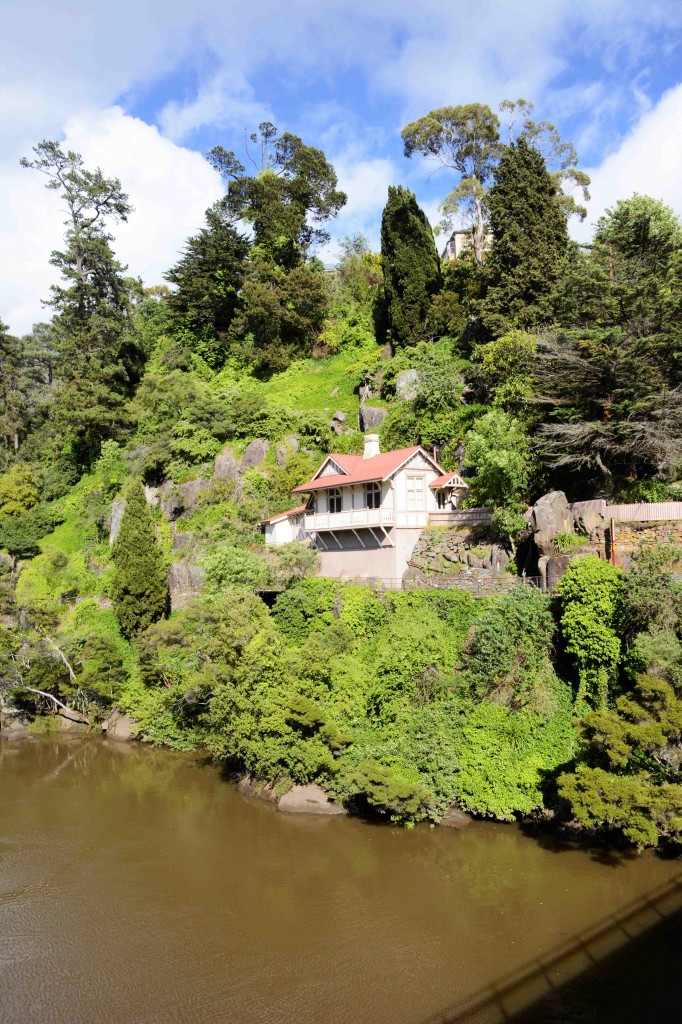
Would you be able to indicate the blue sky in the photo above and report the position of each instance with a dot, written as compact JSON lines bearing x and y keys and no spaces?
{"x":145,"y":88}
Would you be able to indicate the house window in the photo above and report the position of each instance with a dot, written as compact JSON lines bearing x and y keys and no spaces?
{"x":373,"y":495}
{"x":334,"y":499}
{"x":441,"y":498}
{"x":415,"y":493}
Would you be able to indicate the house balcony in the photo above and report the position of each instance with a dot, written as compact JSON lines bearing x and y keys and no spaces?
{"x":352,"y":519}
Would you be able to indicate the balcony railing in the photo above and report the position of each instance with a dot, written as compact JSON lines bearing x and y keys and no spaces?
{"x":352,"y":519}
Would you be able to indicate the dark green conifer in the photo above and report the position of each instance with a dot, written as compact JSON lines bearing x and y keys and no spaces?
{"x":140,"y":586}
{"x":411,"y":267}
{"x":530,"y":241}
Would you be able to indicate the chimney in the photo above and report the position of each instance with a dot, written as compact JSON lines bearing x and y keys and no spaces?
{"x":371,"y":446}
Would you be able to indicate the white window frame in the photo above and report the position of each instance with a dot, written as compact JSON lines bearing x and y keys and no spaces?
{"x":334,"y":495}
{"x":373,"y":494}
{"x":416,"y":499}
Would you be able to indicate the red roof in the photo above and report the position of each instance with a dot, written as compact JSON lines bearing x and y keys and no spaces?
{"x":283,"y":515}
{"x":360,"y":471}
{"x":449,"y":480}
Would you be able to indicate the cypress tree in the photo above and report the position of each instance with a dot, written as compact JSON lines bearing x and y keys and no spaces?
{"x":530,"y":241}
{"x":411,"y":267}
{"x":140,"y":586}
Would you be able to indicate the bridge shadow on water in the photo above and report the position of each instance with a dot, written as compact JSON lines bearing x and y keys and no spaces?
{"x":625,"y":969}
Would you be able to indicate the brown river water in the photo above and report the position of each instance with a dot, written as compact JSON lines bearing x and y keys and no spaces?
{"x":138,"y":886}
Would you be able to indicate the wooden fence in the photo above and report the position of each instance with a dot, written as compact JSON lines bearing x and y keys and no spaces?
{"x":645,"y":512}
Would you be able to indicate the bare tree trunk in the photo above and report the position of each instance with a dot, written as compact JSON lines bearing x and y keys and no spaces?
{"x":50,"y":696}
{"x":53,"y":645}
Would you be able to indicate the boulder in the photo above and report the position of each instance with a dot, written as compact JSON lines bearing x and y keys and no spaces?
{"x":249,"y":785}
{"x":370,"y":418}
{"x":499,"y":558}
{"x":286,"y":448}
{"x":550,"y":516}
{"x":589,"y":521}
{"x":406,"y":384}
{"x":185,"y":580}
{"x":119,"y":726}
{"x":151,"y":495}
{"x":14,"y":723}
{"x":118,"y":507}
{"x":226,"y":466}
{"x":171,"y":500}
{"x":339,"y":422}
{"x":310,"y":799}
{"x":191,"y":491}
{"x":181,"y":540}
{"x":454,"y":817}
{"x":255,"y":453}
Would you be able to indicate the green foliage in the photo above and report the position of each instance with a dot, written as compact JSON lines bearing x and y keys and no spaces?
{"x":591,"y":602}
{"x":631,"y":779}
{"x":567,"y":542}
{"x":18,"y":491}
{"x":497,"y":449}
{"x":508,"y":652}
{"x":21,"y":534}
{"x":411,"y":267}
{"x":208,"y":279}
{"x":97,"y":358}
{"x":281,"y":315}
{"x":305,"y":608}
{"x":287,"y":201}
{"x":530,"y":241}
{"x":506,"y":757}
{"x":139,"y":588}
{"x":504,"y":369}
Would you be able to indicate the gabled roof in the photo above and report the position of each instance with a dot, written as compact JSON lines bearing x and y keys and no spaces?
{"x":283,"y":515}
{"x":358,"y":470}
{"x":449,"y":480}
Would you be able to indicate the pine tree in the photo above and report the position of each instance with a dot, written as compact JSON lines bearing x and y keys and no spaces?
{"x":209,"y":279}
{"x":530,"y":241}
{"x":140,"y":586}
{"x":99,"y":361}
{"x":411,"y":267}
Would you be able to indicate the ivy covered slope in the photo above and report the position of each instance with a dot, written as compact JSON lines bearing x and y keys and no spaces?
{"x":148,"y":430}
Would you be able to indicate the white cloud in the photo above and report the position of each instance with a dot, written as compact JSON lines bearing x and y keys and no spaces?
{"x":170,"y":188}
{"x":226,"y":100}
{"x":365,"y":181}
{"x":648,"y":161}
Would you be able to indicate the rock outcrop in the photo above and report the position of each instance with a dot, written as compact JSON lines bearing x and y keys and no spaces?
{"x":550,"y":516}
{"x":255,"y":453}
{"x":370,"y":418}
{"x":286,"y":448}
{"x":119,"y":726}
{"x":406,"y":384}
{"x":339,"y":422}
{"x":310,"y":799}
{"x":451,"y":550}
{"x":455,"y":817}
{"x":185,"y":580}
{"x":118,"y":507}
{"x":226,"y":466}
{"x":249,"y":785}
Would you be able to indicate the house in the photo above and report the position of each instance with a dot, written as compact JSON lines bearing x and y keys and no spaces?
{"x":364,"y":513}
{"x":460,"y":242}
{"x":285,"y":527}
